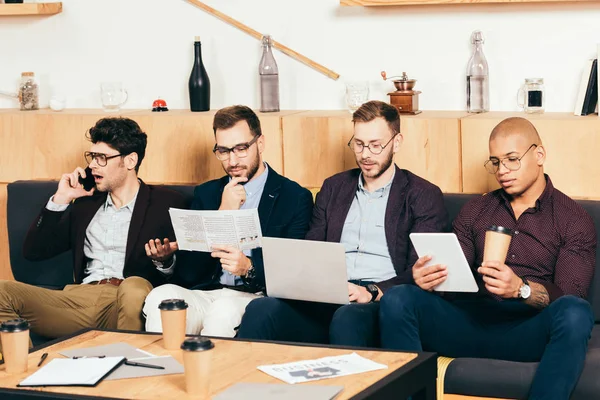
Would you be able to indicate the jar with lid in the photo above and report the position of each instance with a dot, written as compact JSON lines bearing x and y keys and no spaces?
{"x":531,"y":96}
{"x":28,"y":92}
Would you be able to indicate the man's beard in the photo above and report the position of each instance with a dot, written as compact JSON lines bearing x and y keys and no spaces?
{"x":384,"y":166}
{"x":252,"y":168}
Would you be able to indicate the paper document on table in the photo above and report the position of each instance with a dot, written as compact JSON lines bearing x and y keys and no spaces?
{"x":119,"y":349}
{"x":321,"y":368}
{"x":73,"y":372}
{"x":199,"y":230}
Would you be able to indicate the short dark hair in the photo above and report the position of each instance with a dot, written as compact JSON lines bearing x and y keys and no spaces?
{"x":122,"y":134}
{"x":378,"y":109}
{"x":227,"y":117}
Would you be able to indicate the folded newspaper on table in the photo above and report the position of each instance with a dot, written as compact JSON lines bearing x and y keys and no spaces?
{"x":199,"y":230}
{"x":321,"y":368}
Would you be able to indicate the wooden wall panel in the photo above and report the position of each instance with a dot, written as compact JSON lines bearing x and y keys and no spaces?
{"x":572,"y":143}
{"x":5,"y":271}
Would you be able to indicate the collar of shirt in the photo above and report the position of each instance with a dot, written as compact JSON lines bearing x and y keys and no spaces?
{"x":109,"y":202}
{"x":379,"y":192}
{"x":544,"y":198}
{"x":258,"y":184}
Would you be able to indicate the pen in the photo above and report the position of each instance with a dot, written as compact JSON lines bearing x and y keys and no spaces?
{"x":44,"y":356}
{"x":136,"y":364}
{"x":76,"y":358}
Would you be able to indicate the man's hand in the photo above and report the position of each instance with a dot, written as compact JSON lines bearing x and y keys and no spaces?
{"x":234,"y":194}
{"x":232,"y":259}
{"x":69,"y":187}
{"x":358,"y":293}
{"x":500,"y":279}
{"x":428,"y":277}
{"x":160,"y":251}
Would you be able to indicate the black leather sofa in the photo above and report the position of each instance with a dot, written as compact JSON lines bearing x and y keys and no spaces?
{"x":466,"y":376}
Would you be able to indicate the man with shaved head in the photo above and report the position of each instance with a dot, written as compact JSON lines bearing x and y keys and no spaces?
{"x":530,"y":307}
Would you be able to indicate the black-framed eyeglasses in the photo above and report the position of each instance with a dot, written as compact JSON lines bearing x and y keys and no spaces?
{"x":240,"y":150}
{"x":511,"y":163}
{"x":101,"y":158}
{"x":374,"y":148}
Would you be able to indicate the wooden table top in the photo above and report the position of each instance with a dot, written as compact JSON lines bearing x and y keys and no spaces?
{"x":233,"y":361}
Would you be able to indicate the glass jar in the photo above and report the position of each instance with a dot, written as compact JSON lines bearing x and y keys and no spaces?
{"x":531,"y":96}
{"x":28,"y":92}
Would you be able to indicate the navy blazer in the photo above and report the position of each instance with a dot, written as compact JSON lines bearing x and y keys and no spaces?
{"x":414,"y":205}
{"x":284,"y":211}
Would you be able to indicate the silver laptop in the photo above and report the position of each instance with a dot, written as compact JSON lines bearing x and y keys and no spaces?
{"x":305,"y":270}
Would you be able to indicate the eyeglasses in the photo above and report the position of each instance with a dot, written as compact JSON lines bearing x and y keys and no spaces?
{"x":511,"y":163}
{"x":101,"y":158}
{"x":374,"y":148}
{"x":240,"y":150}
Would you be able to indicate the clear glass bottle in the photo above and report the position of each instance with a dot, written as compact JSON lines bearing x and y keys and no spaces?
{"x":269,"y":78}
{"x":28,"y":92}
{"x":478,"y":96}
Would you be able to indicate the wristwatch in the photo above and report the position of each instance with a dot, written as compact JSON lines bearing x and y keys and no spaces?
{"x":374,"y":290}
{"x":524,"y":290}
{"x":251,"y":273}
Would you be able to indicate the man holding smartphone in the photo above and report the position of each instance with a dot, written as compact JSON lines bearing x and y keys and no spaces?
{"x":107,"y":228}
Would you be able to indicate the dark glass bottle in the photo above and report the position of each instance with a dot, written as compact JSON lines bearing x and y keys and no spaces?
{"x":199,"y":84}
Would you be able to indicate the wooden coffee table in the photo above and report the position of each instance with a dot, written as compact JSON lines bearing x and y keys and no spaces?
{"x":233,"y":361}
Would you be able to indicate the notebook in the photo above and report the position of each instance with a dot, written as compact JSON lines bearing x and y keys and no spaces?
{"x":73,"y":372}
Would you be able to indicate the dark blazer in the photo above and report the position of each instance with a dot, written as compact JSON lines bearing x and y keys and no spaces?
{"x":284,"y":211}
{"x":414,"y":205}
{"x":53,"y":232}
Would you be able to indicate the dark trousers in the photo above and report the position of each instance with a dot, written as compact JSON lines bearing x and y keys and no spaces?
{"x":414,"y":320}
{"x":269,"y":318}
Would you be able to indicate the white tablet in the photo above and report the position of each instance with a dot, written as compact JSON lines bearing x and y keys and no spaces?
{"x":445,"y":249}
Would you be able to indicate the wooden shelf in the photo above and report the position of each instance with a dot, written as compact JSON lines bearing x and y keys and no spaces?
{"x":30,"y":9}
{"x":380,"y":3}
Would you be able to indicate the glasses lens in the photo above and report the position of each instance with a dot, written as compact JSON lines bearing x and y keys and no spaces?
{"x":356,"y":147}
{"x":491,"y":166}
{"x":376,"y":148}
{"x":222,"y":154}
{"x":512,"y":164}
{"x":88,"y":157}
{"x":240,"y":151}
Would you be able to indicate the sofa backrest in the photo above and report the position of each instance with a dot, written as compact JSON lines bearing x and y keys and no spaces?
{"x":26,"y":198}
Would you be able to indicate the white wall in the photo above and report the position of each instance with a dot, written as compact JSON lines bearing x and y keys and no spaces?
{"x":148,"y":44}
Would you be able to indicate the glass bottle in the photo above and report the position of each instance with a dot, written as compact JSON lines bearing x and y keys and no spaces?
{"x":478,"y":96}
{"x":269,"y":78}
{"x":28,"y":92}
{"x":199,"y":83}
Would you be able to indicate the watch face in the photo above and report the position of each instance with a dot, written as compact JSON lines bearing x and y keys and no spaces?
{"x":525,"y":291}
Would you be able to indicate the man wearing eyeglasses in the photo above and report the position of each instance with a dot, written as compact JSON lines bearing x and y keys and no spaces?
{"x":223,"y":282}
{"x":371,"y":210}
{"x":106,"y":227}
{"x":530,"y":307}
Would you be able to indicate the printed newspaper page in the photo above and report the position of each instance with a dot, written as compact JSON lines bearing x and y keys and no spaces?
{"x":199,"y":230}
{"x":321,"y":368}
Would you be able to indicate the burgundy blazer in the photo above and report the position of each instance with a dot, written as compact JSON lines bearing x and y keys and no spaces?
{"x":53,"y":232}
{"x":414,"y":205}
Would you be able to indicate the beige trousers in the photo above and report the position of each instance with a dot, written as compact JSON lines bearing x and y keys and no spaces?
{"x":56,"y":313}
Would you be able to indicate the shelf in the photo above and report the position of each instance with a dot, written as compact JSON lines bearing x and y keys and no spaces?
{"x":30,"y":9}
{"x":380,"y":3}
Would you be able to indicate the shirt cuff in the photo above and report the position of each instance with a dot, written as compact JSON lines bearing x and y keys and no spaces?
{"x":165,"y":269}
{"x":52,"y":206}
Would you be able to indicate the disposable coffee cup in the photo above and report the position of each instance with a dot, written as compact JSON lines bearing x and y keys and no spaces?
{"x":197,"y":359}
{"x":497,"y":241}
{"x":15,"y":345}
{"x":173,"y":313}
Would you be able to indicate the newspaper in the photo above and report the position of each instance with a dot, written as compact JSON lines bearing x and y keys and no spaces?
{"x":321,"y":368}
{"x":200,"y":230}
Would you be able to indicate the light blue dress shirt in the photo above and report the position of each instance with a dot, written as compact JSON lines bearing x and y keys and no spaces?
{"x":363,"y":236}
{"x":254,"y":190}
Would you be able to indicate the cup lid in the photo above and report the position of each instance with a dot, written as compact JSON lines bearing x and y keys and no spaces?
{"x":197,"y":344}
{"x":172,"y":305}
{"x":14,"y":325}
{"x":500,"y":229}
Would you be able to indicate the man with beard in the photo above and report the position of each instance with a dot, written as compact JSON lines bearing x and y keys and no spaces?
{"x":371,"y":210}
{"x":225,"y":281}
{"x":106,"y":228}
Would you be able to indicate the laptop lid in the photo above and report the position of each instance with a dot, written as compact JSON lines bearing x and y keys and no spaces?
{"x":305,"y":270}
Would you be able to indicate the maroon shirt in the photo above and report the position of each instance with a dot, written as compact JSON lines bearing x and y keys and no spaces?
{"x":554,"y":242}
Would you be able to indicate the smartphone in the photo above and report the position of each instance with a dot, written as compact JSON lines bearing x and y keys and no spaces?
{"x":88,"y":182}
